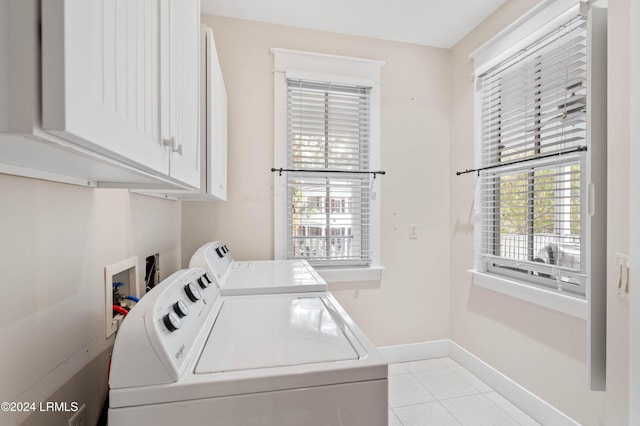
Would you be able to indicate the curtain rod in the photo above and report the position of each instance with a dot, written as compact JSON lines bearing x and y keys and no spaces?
{"x":280,"y":170}
{"x":555,"y":154}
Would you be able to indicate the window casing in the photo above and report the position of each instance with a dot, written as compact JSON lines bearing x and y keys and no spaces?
{"x":343,"y":251}
{"x":540,"y":194}
{"x":533,"y":131}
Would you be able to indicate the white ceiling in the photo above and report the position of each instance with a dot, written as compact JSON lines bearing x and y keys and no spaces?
{"x":439,"y":23}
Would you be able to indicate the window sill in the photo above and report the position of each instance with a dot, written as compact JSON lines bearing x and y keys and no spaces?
{"x":332,"y":275}
{"x":566,"y":304}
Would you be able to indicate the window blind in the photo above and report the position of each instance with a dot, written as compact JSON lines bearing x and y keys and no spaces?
{"x":328,"y":214}
{"x":532,"y":213}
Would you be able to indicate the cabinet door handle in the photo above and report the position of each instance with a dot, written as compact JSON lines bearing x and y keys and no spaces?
{"x":175,"y":147}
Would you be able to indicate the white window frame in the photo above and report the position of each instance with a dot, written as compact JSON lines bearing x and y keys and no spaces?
{"x":293,"y":64}
{"x":522,"y":33}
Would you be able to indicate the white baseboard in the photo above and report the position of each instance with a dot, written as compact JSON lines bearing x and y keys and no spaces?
{"x":528,"y":402}
{"x":415,"y":351}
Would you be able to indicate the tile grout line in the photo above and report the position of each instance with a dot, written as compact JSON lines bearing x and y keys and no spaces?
{"x":450,"y":413}
{"x":438,"y":400}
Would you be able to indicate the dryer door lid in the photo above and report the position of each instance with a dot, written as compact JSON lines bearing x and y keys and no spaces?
{"x":272,"y":331}
{"x":272,"y":276}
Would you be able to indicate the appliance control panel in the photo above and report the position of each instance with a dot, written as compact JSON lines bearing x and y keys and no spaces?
{"x":160,"y":332}
{"x":215,"y":257}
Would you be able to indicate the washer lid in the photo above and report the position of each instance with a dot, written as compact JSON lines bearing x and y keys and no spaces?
{"x":272,"y":276}
{"x":276,"y":330}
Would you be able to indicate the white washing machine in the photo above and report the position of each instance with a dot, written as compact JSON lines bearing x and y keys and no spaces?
{"x":255,"y":277}
{"x":190,"y":356}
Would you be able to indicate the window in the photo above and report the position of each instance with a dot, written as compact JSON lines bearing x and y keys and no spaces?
{"x":327,"y":131}
{"x":328,"y":212}
{"x":541,"y":151}
{"x":533,"y":107}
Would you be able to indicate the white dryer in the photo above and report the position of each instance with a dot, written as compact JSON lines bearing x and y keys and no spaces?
{"x":255,"y":277}
{"x":187,"y":355}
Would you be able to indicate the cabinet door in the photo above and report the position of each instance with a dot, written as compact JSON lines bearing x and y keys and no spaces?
{"x":100,"y":78}
{"x":180,"y":34}
{"x":217,"y":123}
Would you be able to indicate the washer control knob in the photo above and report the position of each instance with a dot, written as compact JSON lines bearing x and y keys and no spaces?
{"x":192,"y":292}
{"x":181,"y":308}
{"x":172,"y":321}
{"x":208,"y":277}
{"x":204,"y":283}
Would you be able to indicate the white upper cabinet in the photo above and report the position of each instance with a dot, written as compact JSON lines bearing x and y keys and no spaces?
{"x":212,"y":96}
{"x":117,"y":102}
{"x":180,"y":36}
{"x":100,"y":75}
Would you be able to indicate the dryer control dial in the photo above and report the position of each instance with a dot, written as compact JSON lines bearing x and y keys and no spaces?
{"x":172,"y":321}
{"x":204,"y":283}
{"x":192,"y":292}
{"x":181,"y":308}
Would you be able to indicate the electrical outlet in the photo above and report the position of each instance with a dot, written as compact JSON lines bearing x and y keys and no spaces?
{"x":125,"y":274}
{"x":79,"y":418}
{"x":622,"y":264}
{"x":622,"y":260}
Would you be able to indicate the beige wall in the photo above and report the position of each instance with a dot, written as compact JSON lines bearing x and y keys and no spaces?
{"x":542,"y":350}
{"x":410,"y":304}
{"x":56,"y":241}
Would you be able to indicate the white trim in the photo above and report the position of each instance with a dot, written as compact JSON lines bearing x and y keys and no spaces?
{"x":333,"y":78}
{"x":522,"y":398}
{"x":161,"y":194}
{"x":329,"y":65}
{"x":522,"y":32}
{"x":415,"y":351}
{"x":45,"y":175}
{"x":566,"y":304}
{"x":334,"y":275}
{"x":279,"y":160}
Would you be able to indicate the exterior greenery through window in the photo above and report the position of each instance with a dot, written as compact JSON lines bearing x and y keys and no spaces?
{"x":532,"y":212}
{"x":328,"y":212}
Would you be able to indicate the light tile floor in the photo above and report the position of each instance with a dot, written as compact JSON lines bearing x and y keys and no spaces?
{"x":440,"y":392}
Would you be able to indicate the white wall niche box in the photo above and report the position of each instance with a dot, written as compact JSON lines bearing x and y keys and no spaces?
{"x":105,"y":96}
{"x":213,"y":129}
{"x":120,"y":278}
